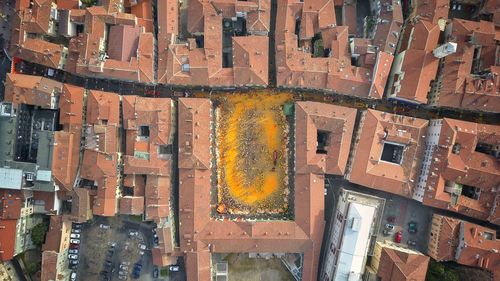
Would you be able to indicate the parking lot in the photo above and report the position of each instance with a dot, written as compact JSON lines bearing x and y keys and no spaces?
{"x":400,"y":212}
{"x":115,"y":249}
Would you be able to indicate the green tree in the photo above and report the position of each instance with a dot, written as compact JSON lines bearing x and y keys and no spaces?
{"x":89,"y":3}
{"x":38,"y":233}
{"x":440,"y":272}
{"x":32,"y":268}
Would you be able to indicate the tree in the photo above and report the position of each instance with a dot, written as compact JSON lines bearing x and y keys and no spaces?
{"x":440,"y":272}
{"x":38,"y":233}
{"x":89,"y":3}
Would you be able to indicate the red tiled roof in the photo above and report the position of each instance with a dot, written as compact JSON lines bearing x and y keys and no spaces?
{"x":338,"y":122}
{"x":32,"y":90}
{"x":186,"y":64}
{"x":465,"y":167}
{"x":419,"y":65}
{"x":57,"y":238}
{"x":460,"y":87}
{"x":402,"y":266}
{"x":132,"y":205}
{"x":296,"y":66}
{"x":466,"y":243}
{"x":8,"y":229}
{"x":11,"y":202}
{"x":198,"y":230}
{"x":49,"y":266}
{"x":376,"y":129}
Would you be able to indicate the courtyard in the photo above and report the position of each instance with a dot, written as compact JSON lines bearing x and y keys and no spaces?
{"x":252,"y":158}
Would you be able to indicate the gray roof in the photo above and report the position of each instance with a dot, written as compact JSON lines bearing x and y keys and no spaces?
{"x":11,"y":178}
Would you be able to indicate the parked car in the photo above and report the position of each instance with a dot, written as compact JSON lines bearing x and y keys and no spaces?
{"x":387,"y":232}
{"x":72,"y":257}
{"x":73,"y":251}
{"x":411,"y":243}
{"x":133,"y":233}
{"x":76,"y":230}
{"x":391,"y":219}
{"x":155,"y":272}
{"x":122,"y":277}
{"x":398,"y":237}
{"x":74,"y":235}
{"x":77,"y":226}
{"x":105,"y":226}
{"x":389,"y":226}
{"x":174,"y":268}
{"x":73,"y":276}
{"x":123,"y":267}
{"x":412,"y":227}
{"x":73,"y":262}
{"x":74,"y":241}
{"x":142,"y":246}
{"x":137,"y":271}
{"x":74,"y":246}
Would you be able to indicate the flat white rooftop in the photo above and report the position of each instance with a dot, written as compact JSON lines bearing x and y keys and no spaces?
{"x":355,"y":242}
{"x":11,"y":178}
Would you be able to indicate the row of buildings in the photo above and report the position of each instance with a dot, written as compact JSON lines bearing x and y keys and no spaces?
{"x":72,"y":154}
{"x":447,"y":62}
{"x":429,"y":59}
{"x":104,"y":154}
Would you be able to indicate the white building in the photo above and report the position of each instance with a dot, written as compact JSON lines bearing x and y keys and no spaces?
{"x":354,"y":224}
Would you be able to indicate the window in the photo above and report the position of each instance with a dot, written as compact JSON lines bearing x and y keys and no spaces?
{"x":392,"y":152}
{"x":323,"y":139}
{"x":165,"y":149}
{"x":144,"y":131}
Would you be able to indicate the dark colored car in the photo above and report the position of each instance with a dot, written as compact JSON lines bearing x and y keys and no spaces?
{"x":137,"y":270}
{"x":412,"y":227}
{"x":155,"y":272}
{"x":77,"y":226}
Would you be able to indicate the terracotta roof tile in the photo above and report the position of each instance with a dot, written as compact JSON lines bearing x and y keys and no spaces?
{"x":296,"y":66}
{"x":465,"y":166}
{"x":81,"y":210}
{"x":337,"y":122}
{"x":461,"y":88}
{"x":402,"y":265}
{"x":32,"y":90}
{"x":378,"y":130}
{"x":132,"y":205}
{"x":466,"y":243}
{"x":200,"y":234}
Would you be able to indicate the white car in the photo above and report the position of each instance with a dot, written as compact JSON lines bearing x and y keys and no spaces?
{"x":73,"y":276}
{"x":72,"y":257}
{"x":133,"y":233}
{"x":73,"y":251}
{"x":76,"y":230}
{"x":105,"y":226}
{"x":123,"y":267}
{"x":74,"y":235}
{"x":74,"y":241}
{"x":142,"y":246}
{"x":174,"y":268}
